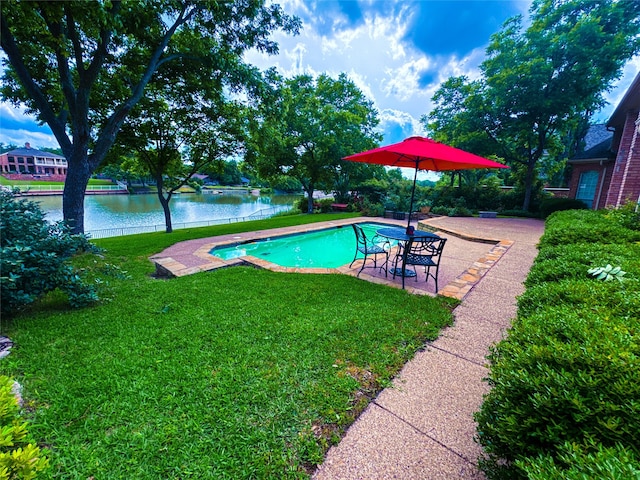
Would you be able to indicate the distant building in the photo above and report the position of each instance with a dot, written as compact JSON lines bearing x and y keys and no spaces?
{"x":607,"y":173}
{"x":32,"y":161}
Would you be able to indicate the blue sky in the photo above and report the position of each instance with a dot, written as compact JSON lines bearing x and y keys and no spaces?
{"x":397,"y":52}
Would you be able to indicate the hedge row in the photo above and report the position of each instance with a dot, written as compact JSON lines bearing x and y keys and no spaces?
{"x":565,"y":397}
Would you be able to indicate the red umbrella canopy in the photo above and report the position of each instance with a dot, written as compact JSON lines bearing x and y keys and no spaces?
{"x":423,"y":154}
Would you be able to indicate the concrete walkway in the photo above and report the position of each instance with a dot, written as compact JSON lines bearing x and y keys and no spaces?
{"x":422,"y":427}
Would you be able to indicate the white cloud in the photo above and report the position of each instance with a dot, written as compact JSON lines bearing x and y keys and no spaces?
{"x":21,"y":136}
{"x":614,"y":96}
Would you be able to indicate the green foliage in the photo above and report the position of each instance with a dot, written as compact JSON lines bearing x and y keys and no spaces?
{"x":582,"y":462}
{"x":551,"y":204}
{"x":586,"y":226}
{"x":34,"y":254}
{"x":627,"y":215}
{"x":452,"y":211}
{"x":19,"y":458}
{"x":518,"y":213}
{"x":370,"y":209}
{"x":306,"y":129}
{"x":607,"y":273}
{"x":538,"y":85}
{"x":324,"y":205}
{"x":566,"y":380}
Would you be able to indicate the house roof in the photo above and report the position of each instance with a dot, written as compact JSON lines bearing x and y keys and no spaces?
{"x":600,"y":151}
{"x":597,"y":145}
{"x":595,"y":135}
{"x":33,"y":152}
{"x":630,"y":101}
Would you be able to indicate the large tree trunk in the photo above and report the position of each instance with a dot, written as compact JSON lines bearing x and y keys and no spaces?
{"x":310,"y":199}
{"x":164,"y":201}
{"x":528,"y":185}
{"x":75,"y":185}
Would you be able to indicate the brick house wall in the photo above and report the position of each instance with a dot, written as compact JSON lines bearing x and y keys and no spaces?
{"x":616,"y":161}
{"x":625,"y":181}
{"x":604,"y":169}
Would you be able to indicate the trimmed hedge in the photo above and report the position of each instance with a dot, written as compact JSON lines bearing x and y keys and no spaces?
{"x":553,"y":204}
{"x":566,"y":381}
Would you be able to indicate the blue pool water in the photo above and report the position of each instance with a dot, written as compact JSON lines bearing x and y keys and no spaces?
{"x":329,"y":248}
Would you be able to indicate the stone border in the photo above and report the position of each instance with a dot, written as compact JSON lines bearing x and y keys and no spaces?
{"x":463,"y":283}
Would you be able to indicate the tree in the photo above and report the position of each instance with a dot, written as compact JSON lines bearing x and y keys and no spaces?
{"x":536,"y":84}
{"x":176,"y":135}
{"x":308,"y":126}
{"x":93,"y":62}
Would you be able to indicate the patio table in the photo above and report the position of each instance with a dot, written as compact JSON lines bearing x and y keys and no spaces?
{"x":401,"y":235}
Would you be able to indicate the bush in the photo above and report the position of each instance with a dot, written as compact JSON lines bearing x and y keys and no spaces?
{"x":579,"y":462}
{"x":586,"y":226}
{"x":628,"y":215}
{"x":369,"y":209}
{"x":452,"y":211}
{"x":519,"y":213}
{"x":553,"y":204}
{"x":566,"y":381}
{"x":19,"y":458}
{"x":324,"y":205}
{"x":33,"y":256}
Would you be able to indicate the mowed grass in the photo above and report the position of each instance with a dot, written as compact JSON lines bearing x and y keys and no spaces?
{"x":17,"y":183}
{"x":236,"y":373}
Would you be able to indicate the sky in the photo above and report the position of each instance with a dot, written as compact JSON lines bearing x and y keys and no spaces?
{"x":397,"y":52}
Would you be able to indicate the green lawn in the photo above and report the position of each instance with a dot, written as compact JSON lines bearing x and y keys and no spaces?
{"x":237,"y":373}
{"x":17,"y":183}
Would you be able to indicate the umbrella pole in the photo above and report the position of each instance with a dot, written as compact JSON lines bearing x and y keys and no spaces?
{"x":413,"y":192}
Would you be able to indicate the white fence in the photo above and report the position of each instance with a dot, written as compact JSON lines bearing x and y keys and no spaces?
{"x":120,"y":231}
{"x":60,"y":188}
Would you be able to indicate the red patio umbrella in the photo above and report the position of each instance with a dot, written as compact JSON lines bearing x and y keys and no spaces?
{"x":423,"y":153}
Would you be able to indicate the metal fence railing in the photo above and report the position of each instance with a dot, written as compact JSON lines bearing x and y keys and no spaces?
{"x":120,"y":231}
{"x":60,"y":188}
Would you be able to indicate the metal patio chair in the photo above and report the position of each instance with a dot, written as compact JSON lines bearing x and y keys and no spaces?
{"x":370,"y":248}
{"x":420,"y":252}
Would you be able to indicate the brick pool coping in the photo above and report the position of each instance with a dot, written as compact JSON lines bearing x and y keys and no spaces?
{"x":458,"y":288}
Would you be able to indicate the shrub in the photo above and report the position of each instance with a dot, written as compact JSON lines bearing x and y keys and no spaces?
{"x":553,"y":204}
{"x":19,"y":458}
{"x":579,"y":462}
{"x":369,"y":209}
{"x":628,"y":215}
{"x":325,"y":204}
{"x":566,"y":380}
{"x":33,"y":256}
{"x":585,"y":226}
{"x":573,"y":260}
{"x":564,"y":374}
{"x":452,"y":211}
{"x":519,"y":213}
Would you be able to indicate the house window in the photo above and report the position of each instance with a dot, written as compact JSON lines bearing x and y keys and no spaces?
{"x":587,"y":187}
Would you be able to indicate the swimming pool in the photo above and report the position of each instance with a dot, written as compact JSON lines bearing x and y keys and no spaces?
{"x":328,"y":248}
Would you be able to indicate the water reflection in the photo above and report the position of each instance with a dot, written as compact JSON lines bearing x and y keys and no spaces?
{"x":113,"y":211}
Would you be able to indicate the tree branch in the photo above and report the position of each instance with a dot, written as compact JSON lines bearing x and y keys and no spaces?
{"x":108,"y":135}
{"x":8,"y":44}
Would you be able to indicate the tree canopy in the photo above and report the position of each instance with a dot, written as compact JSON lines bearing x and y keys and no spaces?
{"x":539,"y":83}
{"x":308,"y":127}
{"x":92,"y":63}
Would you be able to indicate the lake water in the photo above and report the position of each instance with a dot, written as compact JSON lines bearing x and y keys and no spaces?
{"x":118,"y":211}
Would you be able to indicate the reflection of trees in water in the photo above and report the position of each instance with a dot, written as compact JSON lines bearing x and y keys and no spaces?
{"x":110,"y":211}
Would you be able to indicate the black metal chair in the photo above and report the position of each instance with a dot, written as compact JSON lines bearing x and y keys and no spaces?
{"x":370,"y":248}
{"x":420,"y":252}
